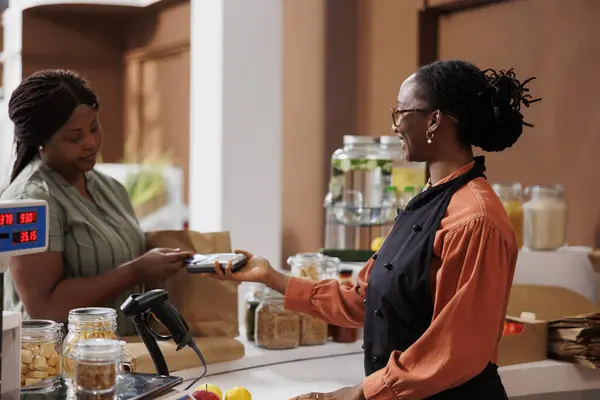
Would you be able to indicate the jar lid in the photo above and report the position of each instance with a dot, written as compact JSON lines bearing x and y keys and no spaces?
{"x":95,"y":349}
{"x":272,"y":294}
{"x":353,"y":139}
{"x":40,"y":326}
{"x":306,"y":258}
{"x":389,"y":139}
{"x":93,"y":311}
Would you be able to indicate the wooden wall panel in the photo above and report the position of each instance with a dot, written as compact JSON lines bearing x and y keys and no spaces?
{"x":557,"y":42}
{"x":81,"y":43}
{"x":157,"y":84}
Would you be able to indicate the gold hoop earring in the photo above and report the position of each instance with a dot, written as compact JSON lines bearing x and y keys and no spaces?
{"x":429,"y":135}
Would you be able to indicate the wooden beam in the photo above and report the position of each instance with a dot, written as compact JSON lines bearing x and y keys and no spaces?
{"x":457,"y":6}
{"x":428,"y":39}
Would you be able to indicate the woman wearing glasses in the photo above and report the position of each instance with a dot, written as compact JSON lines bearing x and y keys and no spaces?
{"x":433,"y":299}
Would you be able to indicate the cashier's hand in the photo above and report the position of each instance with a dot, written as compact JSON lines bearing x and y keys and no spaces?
{"x":257,"y":269}
{"x":159,"y":264}
{"x":347,"y":393}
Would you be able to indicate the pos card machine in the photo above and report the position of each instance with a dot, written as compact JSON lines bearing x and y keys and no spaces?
{"x":23,"y":230}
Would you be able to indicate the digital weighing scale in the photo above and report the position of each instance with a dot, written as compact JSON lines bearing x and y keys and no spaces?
{"x":24,"y":230}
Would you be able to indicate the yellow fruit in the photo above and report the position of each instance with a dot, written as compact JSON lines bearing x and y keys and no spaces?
{"x":238,"y":393}
{"x":209,"y":387}
{"x":376,"y":243}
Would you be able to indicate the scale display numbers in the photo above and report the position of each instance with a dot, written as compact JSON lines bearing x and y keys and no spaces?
{"x":25,"y":236}
{"x":6,"y":219}
{"x":28,"y":217}
{"x":23,"y":218}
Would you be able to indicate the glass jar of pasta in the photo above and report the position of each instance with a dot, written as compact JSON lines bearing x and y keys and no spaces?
{"x":276,"y":327}
{"x":86,"y":323}
{"x":315,"y":267}
{"x":40,"y":354}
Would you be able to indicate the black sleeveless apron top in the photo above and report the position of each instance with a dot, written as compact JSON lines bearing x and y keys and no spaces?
{"x":399,"y":303}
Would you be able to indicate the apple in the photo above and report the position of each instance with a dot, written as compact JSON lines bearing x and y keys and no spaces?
{"x":204,"y":395}
{"x":238,"y":393}
{"x":209,"y":387}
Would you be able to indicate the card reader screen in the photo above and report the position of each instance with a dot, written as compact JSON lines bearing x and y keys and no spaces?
{"x":25,"y":236}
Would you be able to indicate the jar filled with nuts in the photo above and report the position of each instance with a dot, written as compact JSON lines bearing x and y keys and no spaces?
{"x":40,"y":354}
{"x":97,"y":365}
{"x":276,"y":327}
{"x":86,"y":323}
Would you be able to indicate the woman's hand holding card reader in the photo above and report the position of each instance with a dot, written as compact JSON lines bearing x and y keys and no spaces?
{"x":205,"y":263}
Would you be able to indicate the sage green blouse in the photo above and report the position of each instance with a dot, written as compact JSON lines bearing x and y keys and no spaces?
{"x":94,"y":237}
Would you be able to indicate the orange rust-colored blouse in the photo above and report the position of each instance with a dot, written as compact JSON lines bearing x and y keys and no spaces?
{"x":475,"y":254}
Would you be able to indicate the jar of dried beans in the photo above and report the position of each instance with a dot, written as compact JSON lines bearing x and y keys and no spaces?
{"x":276,"y":327}
{"x":97,"y":365}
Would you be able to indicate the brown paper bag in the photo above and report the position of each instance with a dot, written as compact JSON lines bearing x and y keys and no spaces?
{"x":209,"y":306}
{"x":214,"y":349}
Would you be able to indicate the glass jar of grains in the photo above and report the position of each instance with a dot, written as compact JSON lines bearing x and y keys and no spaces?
{"x":511,"y":196}
{"x":97,"y":365}
{"x":545,"y":219}
{"x":40,"y":354}
{"x":86,"y":323}
{"x":276,"y":327}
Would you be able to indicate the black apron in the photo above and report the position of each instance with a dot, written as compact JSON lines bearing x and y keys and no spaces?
{"x":399,"y":303}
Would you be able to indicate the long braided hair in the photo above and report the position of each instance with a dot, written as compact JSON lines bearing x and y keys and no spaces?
{"x":487,"y":104}
{"x":40,"y":106}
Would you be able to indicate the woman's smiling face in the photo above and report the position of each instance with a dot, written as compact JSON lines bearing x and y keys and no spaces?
{"x":413,"y":117}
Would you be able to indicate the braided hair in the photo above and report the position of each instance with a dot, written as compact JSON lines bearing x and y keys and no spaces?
{"x":486,"y":104}
{"x":40,"y":106}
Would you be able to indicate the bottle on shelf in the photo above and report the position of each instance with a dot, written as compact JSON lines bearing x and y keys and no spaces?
{"x":340,"y":334}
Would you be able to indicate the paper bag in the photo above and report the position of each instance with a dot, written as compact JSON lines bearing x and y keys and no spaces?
{"x":209,"y":306}
{"x":214,"y":349}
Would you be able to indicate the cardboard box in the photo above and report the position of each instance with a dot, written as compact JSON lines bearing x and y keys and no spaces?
{"x":546,"y":303}
{"x":527,"y":346}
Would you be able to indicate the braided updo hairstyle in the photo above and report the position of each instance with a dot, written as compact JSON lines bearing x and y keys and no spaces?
{"x":486,"y":104}
{"x":40,"y":106}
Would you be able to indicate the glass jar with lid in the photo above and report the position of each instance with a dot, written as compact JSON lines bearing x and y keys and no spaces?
{"x":341,"y":334}
{"x":404,"y":173}
{"x":511,"y":196}
{"x":360,"y":172}
{"x":545,"y":218}
{"x":313,"y":266}
{"x":276,"y":327}
{"x":97,"y":366}
{"x":253,"y":296}
{"x":40,"y":354}
{"x":316,"y":267}
{"x":87,"y":323}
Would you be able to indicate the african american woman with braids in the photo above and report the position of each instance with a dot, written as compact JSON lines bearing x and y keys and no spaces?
{"x":433,"y":299}
{"x":96,"y":251}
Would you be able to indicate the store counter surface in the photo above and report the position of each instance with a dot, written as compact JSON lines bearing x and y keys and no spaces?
{"x":283,"y":374}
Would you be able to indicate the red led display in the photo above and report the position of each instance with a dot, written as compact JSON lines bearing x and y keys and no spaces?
{"x":28,"y":217}
{"x":6,"y":219}
{"x":25,"y":236}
